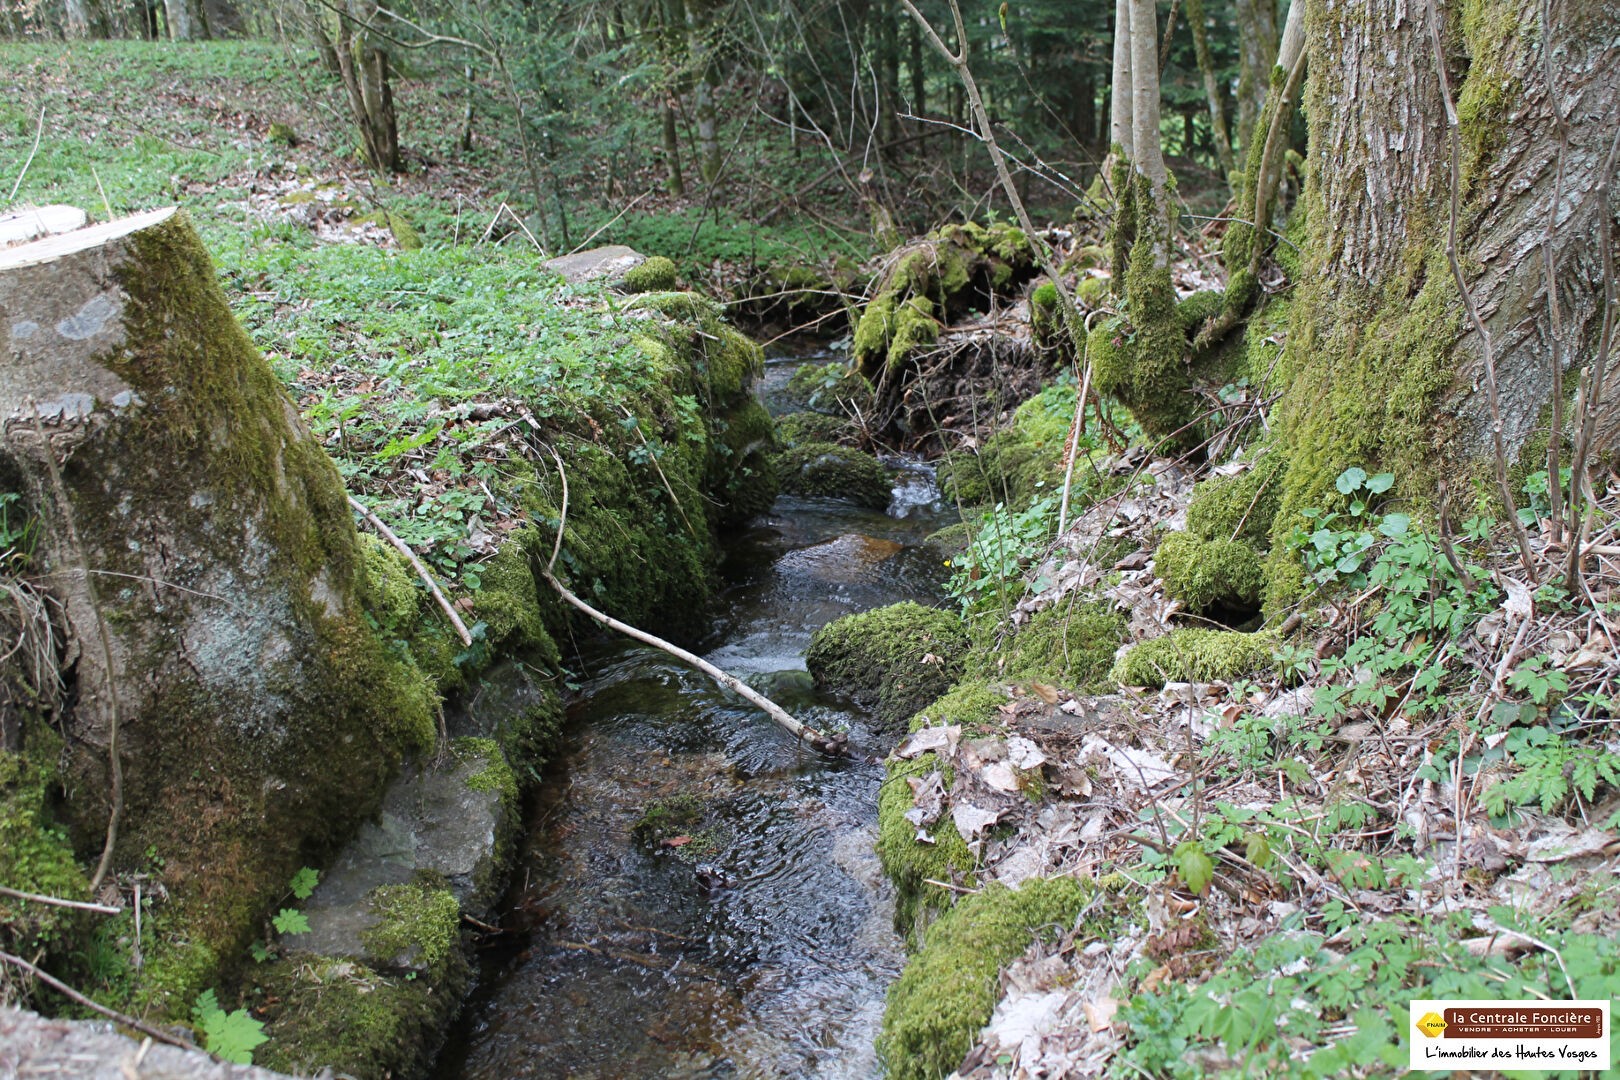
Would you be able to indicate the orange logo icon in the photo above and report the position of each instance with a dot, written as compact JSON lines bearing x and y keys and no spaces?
{"x":1431,"y":1025}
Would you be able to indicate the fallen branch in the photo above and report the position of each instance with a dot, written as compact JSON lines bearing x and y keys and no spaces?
{"x":57,"y":901}
{"x":112,"y":1014}
{"x":421,"y":571}
{"x":835,"y":745}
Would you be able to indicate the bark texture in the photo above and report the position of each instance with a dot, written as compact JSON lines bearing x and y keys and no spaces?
{"x":1385,"y":371}
{"x":200,"y":545}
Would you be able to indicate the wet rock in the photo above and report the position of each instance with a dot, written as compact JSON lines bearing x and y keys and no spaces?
{"x":450,"y":819}
{"x":31,"y":1045}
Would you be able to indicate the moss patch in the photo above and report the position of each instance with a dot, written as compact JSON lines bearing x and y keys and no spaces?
{"x":1238,"y":507}
{"x":1207,"y":574}
{"x":657,"y":274}
{"x":418,"y":922}
{"x":892,"y":660}
{"x":835,"y":472}
{"x":1190,"y":655}
{"x":1072,"y":645}
{"x":35,"y":855}
{"x":948,"y":990}
{"x":910,"y":863}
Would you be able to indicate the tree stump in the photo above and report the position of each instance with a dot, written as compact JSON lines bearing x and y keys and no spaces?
{"x":207,"y":567}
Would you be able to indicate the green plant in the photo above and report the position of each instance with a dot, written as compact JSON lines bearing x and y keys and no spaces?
{"x":230,"y":1035}
{"x":1005,"y":544}
{"x":1538,"y":679}
{"x":1551,"y":770}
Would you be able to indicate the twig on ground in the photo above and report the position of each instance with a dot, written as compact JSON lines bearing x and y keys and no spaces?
{"x":112,"y":1014}
{"x":421,"y":571}
{"x":57,"y":901}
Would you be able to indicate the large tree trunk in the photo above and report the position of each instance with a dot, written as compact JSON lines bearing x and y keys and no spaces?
{"x":229,"y":696}
{"x":1386,"y":371}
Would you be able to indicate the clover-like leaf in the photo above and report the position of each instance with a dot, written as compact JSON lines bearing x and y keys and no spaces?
{"x":1350,"y":480}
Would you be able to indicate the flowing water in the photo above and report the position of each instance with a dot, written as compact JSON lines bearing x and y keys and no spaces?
{"x":768,"y":953}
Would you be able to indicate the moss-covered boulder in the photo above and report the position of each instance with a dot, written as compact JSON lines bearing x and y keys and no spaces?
{"x":1207,"y":575}
{"x":657,"y":274}
{"x":831,"y":471}
{"x":892,"y":660}
{"x":835,"y":389}
{"x":1193,"y":655}
{"x":948,"y":989}
{"x":796,"y":429}
{"x":381,"y":1013}
{"x":1070,"y":645}
{"x":1240,"y":506}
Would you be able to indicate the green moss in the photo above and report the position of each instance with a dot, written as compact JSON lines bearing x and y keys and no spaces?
{"x":1189,"y":655}
{"x":282,"y":134}
{"x":948,"y":990}
{"x":507,"y":601}
{"x":419,"y":921}
{"x":1238,"y":507}
{"x":35,"y":854}
{"x":663,"y":818}
{"x":873,"y":333}
{"x":835,"y":472}
{"x":1019,"y":461}
{"x":891,"y":660}
{"x":1072,"y":645}
{"x":812,"y":427}
{"x":1205,"y":574}
{"x":657,"y":274}
{"x":1366,"y":372}
{"x":405,"y":234}
{"x":1093,"y":291}
{"x":914,"y":329}
{"x":972,"y":703}
{"x":952,"y":539}
{"x":348,"y":1017}
{"x":1045,"y":296}
{"x":911,"y":863}
{"x":1193,"y":310}
{"x":496,"y":775}
{"x":1090,"y":257}
{"x":833,"y":389}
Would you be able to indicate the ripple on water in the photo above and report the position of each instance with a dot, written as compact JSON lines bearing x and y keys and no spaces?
{"x":635,"y":964}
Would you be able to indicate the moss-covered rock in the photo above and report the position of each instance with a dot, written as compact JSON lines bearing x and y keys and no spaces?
{"x":911,"y":863}
{"x":948,"y":989}
{"x":1240,"y":506}
{"x":1071,"y":645}
{"x":1192,"y":655}
{"x":656,"y":274}
{"x":1206,"y":574}
{"x":834,"y":389}
{"x":798,"y":428}
{"x":835,"y":472}
{"x":892,"y":660}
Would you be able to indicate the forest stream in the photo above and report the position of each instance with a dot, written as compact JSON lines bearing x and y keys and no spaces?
{"x":759,"y":943}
